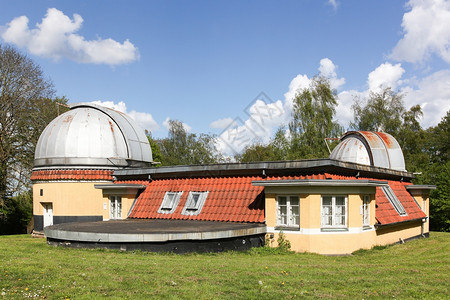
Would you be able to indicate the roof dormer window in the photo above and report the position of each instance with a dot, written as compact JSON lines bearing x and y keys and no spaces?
{"x":170,"y":202}
{"x":194,"y":203}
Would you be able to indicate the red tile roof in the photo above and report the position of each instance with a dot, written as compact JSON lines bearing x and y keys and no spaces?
{"x":235,"y":199}
{"x":232,"y":199}
{"x":385,"y":213}
{"x":94,"y":175}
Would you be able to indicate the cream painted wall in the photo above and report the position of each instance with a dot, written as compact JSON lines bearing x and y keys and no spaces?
{"x":77,"y":199}
{"x":394,"y":234}
{"x":127,"y":201}
{"x":420,"y":199}
{"x":68,"y":198}
{"x":310,"y":237}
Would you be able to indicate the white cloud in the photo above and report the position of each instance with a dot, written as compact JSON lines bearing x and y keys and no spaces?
{"x":433,"y":95}
{"x":328,"y":69}
{"x":297,"y":84}
{"x":56,"y":37}
{"x":145,"y":120}
{"x":185,"y":126}
{"x":426,"y":31}
{"x":263,"y":119}
{"x":385,"y":75}
{"x":222,"y":123}
{"x":344,"y":111}
{"x":333,"y":3}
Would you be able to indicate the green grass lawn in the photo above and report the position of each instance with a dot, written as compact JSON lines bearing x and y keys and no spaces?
{"x":31,"y":268}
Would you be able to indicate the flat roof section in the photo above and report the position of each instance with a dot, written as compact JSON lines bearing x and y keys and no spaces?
{"x":274,"y":168}
{"x":179,"y":236}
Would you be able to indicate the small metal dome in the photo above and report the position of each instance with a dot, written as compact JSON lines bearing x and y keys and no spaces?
{"x":376,"y":149}
{"x":93,"y":136}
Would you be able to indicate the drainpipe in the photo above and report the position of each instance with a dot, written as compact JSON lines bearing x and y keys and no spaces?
{"x":422,"y":228}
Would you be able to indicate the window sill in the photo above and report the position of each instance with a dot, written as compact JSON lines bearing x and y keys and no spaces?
{"x":287,"y":228}
{"x":335,"y":229}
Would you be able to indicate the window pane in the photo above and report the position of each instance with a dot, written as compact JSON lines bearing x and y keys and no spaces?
{"x":294,"y":200}
{"x":340,"y":200}
{"x":295,"y":215}
{"x":282,"y":214}
{"x":282,"y":200}
{"x":326,"y":200}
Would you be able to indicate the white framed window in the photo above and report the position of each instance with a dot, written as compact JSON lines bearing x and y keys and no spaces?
{"x":288,"y":211}
{"x":194,"y":203}
{"x":334,"y":211}
{"x":394,"y":200}
{"x":115,"y":207}
{"x":366,"y":210}
{"x":424,"y":206}
{"x":170,"y":202}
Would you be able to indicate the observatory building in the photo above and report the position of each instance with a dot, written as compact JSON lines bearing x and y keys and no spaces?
{"x":93,"y":164}
{"x":77,"y":150}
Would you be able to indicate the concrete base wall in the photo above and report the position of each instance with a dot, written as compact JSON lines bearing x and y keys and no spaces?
{"x":39,"y":220}
{"x":179,"y":247}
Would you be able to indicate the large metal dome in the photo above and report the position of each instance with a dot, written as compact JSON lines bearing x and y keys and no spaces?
{"x":92,"y":136}
{"x":377,"y":149}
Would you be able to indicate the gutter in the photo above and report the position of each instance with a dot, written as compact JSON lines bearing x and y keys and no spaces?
{"x":377,"y":226}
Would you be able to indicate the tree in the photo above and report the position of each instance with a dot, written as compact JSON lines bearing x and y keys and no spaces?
{"x":382,"y":111}
{"x":257,"y":152}
{"x":183,"y":148}
{"x":26,"y":107}
{"x":437,"y":172}
{"x":312,"y":120}
{"x":156,"y":151}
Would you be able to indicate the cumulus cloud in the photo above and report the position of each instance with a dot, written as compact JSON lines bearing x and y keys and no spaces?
{"x":185,"y":126}
{"x":145,"y":120}
{"x":333,"y":3}
{"x":385,"y":75}
{"x":222,"y":123}
{"x":297,"y":84}
{"x":264,"y":117}
{"x":432,"y":93}
{"x":55,"y":37}
{"x":328,"y":69}
{"x":426,"y":31}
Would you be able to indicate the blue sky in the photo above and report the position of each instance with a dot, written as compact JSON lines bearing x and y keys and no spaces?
{"x":206,"y":63}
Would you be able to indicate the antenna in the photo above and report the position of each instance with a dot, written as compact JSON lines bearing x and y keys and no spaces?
{"x":329,"y":139}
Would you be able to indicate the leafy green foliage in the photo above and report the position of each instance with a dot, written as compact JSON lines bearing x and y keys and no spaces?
{"x":156,"y":151}
{"x":183,"y":148}
{"x":16,"y":213}
{"x":26,"y":107}
{"x":283,"y":242}
{"x":382,"y":111}
{"x":437,"y":172}
{"x":312,"y":120}
{"x":426,"y":152}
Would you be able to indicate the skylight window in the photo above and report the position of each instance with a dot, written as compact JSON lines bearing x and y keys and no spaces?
{"x":170,"y":202}
{"x":394,"y":200}
{"x":194,"y":203}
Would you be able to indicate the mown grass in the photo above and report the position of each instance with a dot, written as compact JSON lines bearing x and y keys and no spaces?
{"x":31,"y":268}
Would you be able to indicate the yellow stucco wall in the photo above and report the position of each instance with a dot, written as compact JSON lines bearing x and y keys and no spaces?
{"x":394,"y":234}
{"x":76,"y":199}
{"x":423,"y":200}
{"x":310,"y":237}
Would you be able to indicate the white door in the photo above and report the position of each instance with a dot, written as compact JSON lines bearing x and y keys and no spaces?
{"x":48,"y":214}
{"x":115,"y":207}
